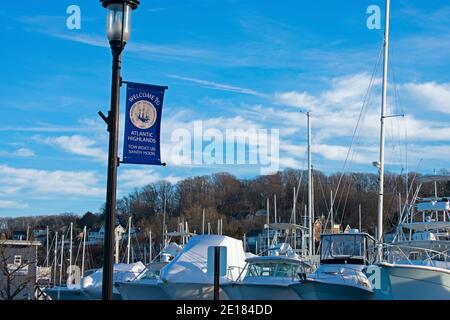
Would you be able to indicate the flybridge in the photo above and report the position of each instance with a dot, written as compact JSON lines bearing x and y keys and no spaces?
{"x":441,"y":204}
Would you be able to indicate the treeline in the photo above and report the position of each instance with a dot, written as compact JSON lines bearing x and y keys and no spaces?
{"x":236,"y":201}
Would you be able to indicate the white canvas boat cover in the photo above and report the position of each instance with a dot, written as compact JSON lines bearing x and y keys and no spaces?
{"x":190,"y":265}
{"x":122,"y":272}
{"x":173,"y":249}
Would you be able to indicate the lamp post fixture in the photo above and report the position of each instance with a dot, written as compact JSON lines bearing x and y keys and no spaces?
{"x":118,"y":29}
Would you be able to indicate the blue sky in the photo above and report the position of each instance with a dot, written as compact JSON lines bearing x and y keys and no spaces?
{"x":232,"y":64}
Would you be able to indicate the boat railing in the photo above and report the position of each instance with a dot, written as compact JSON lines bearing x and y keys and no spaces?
{"x":234,"y":270}
{"x":395,"y":253}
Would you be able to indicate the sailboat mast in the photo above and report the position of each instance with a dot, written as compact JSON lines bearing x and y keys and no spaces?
{"x":150,"y":253}
{"x":70,"y":249}
{"x":84,"y":251}
{"x":294,"y":207}
{"x":203,"y":221}
{"x":268,"y":222}
{"x":331,"y":211}
{"x":275,"y":207}
{"x":294,"y":220}
{"x":382,"y":132}
{"x":129,"y":240}
{"x":359,"y":213}
{"x":56,"y":258}
{"x":46,"y":244}
{"x":117,"y":238}
{"x":164,"y":220}
{"x":310,"y":236}
{"x":62,"y":260}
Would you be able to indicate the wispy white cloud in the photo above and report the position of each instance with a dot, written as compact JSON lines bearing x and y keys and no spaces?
{"x":135,"y":178}
{"x":156,"y":9}
{"x":220,"y":86}
{"x":92,"y":40}
{"x":301,"y":100}
{"x":431,"y":95}
{"x":78,"y":145}
{"x":8,"y":204}
{"x":47,"y":182}
{"x":147,"y":50}
{"x":50,"y":128}
{"x":24,"y":152}
{"x":335,"y":111}
{"x":20,"y":152}
{"x":47,"y":25}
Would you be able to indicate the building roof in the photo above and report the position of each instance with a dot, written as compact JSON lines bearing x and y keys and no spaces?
{"x":20,"y":243}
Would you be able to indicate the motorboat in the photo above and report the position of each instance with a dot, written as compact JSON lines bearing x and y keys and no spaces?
{"x":187,"y":276}
{"x":90,"y":286}
{"x":340,"y":276}
{"x":416,"y":265}
{"x":268,"y":277}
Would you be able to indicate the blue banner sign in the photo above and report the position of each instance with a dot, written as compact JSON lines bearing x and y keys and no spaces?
{"x":141,"y":143}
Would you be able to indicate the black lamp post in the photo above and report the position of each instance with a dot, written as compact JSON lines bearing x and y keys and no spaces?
{"x":118,"y":31}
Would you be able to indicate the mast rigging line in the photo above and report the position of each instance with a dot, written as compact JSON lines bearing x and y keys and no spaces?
{"x":396,"y":105}
{"x":346,"y":199}
{"x":328,"y":209}
{"x":358,"y":127}
{"x":296,"y":196}
{"x":298,"y":186}
{"x":403,"y":157}
{"x":78,"y":253}
{"x":50,"y":249}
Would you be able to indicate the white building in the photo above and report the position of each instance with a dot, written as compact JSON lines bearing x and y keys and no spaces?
{"x":97,"y":235}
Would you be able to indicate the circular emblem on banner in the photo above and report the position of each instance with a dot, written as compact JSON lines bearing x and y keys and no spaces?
{"x":143,"y":114}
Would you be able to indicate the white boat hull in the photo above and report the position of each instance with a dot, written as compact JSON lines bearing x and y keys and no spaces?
{"x":255,"y":291}
{"x":191,"y":291}
{"x":137,"y":290}
{"x":315,"y":290}
{"x":411,"y":282}
{"x":64,"y":293}
{"x":95,"y":293}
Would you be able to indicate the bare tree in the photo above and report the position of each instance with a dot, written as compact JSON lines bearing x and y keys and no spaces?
{"x":15,"y":275}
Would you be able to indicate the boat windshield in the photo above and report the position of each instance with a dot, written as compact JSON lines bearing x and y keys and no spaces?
{"x":150,"y":274}
{"x":274,"y":269}
{"x":339,"y":247}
